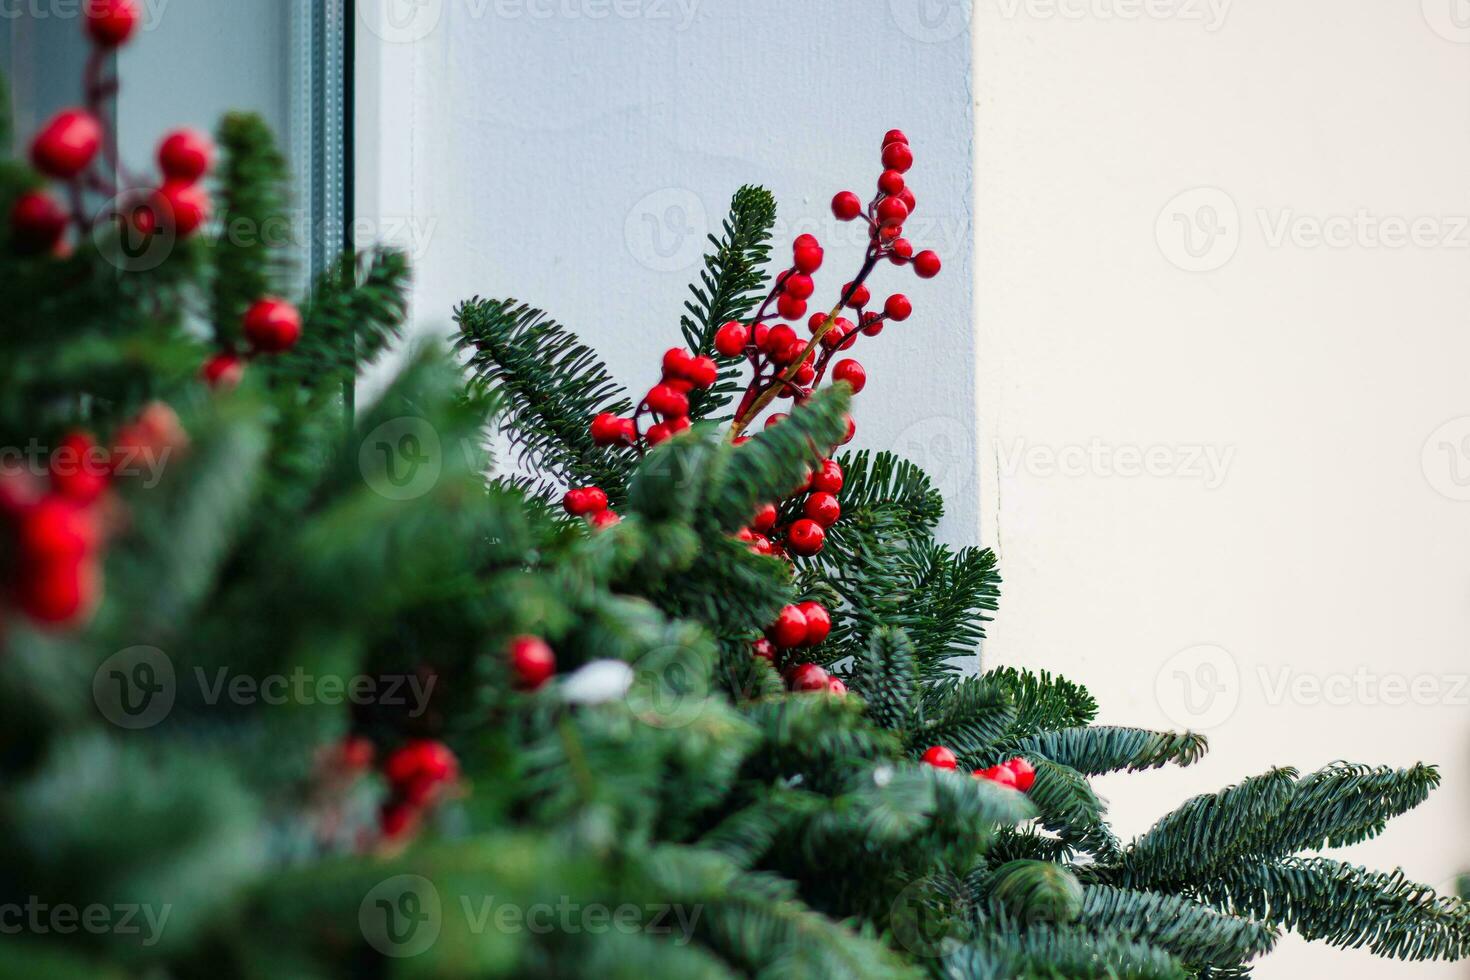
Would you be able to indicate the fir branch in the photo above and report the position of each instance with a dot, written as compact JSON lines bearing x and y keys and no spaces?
{"x":1044,"y":702}
{"x":357,"y":309}
{"x":1195,"y":933}
{"x":730,"y":284}
{"x":252,"y":200}
{"x":1096,"y":750}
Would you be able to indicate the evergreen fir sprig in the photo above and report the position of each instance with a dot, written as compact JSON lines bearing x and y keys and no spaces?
{"x":730,"y":284}
{"x":252,"y":203}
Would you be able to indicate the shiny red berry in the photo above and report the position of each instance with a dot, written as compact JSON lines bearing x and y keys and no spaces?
{"x":1000,"y":775}
{"x":890,"y":182}
{"x":898,"y":156}
{"x":818,"y":622}
{"x":703,"y":372}
{"x":846,"y":206}
{"x":898,"y":307}
{"x":799,"y":285}
{"x":66,"y":144}
{"x":730,"y":339}
{"x":609,"y":430}
{"x":940,"y":757}
{"x":894,"y":136}
{"x":829,"y":478}
{"x":182,"y":207}
{"x":902,"y":249}
{"x":872,"y":324}
{"x":111,"y":22}
{"x":892,"y":212}
{"x":1024,"y":772}
{"x":836,"y":687}
{"x":272,"y":325}
{"x":852,"y":372}
{"x":764,"y":649}
{"x":676,"y":362}
{"x":808,"y":259}
{"x":603,"y":519}
{"x":809,"y":677}
{"x":765,"y":518}
{"x":790,"y":307}
{"x":851,"y":431}
{"x":531,"y":662}
{"x":823,"y":508}
{"x":57,"y":529}
{"x":805,"y":241}
{"x":858,"y":298}
{"x":776,"y":419}
{"x":789,"y":629}
{"x":909,"y":201}
{"x":581,"y":501}
{"x":185,"y":155}
{"x":667,"y":401}
{"x":926,"y":264}
{"x":806,"y":537}
{"x":658,"y":432}
{"x":37,"y":222}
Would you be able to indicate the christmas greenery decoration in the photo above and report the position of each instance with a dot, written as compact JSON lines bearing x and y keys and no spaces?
{"x":292,"y":693}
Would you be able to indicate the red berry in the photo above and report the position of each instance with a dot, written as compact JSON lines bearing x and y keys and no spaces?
{"x":805,"y":241}
{"x":67,"y":144}
{"x":894,"y":136}
{"x":829,"y":478}
{"x":940,"y":757}
{"x":609,"y":430}
{"x":818,"y":622}
{"x":846,"y":206}
{"x":799,"y":285}
{"x":419,"y":769}
{"x":398,"y":820}
{"x":898,"y":307}
{"x":531,"y":662}
{"x":1001,"y":775}
{"x":790,"y":307}
{"x":57,"y":529}
{"x":273,"y":325}
{"x":806,"y":537}
{"x":765,"y":518}
{"x":890,"y":182}
{"x":58,"y":592}
{"x":809,"y":677}
{"x":890,"y":232}
{"x":805,"y":374}
{"x":185,"y":155}
{"x":851,"y":431}
{"x":778,"y":338}
{"x":892,"y":211}
{"x":902,"y":248}
{"x":789,"y":629}
{"x":760,"y":544}
{"x":852,"y":372}
{"x":80,"y":469}
{"x":703,"y":372}
{"x":909,"y":201}
{"x":898,"y":156}
{"x":223,"y":371}
{"x":808,"y":259}
{"x":764,"y":649}
{"x":730,"y":339}
{"x":182,"y":207}
{"x":836,"y":687}
{"x":37,"y":222}
{"x":667,"y":401}
{"x":872,"y":325}
{"x":582,"y":501}
{"x":1024,"y":773}
{"x":678,"y":424}
{"x":823,"y":508}
{"x":676,"y":362}
{"x":604,"y":519}
{"x":658,"y":432}
{"x":776,"y":419}
{"x":859,"y":298}
{"x":926,"y":264}
{"x":111,"y":22}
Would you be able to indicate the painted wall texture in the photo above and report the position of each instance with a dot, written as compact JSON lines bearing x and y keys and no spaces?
{"x":1225,"y":380}
{"x":576,"y":155}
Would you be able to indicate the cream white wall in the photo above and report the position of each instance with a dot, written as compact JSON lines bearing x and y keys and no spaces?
{"x":1333,"y":532}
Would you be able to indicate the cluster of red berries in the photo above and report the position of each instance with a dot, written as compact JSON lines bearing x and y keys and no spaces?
{"x":667,"y":401}
{"x":69,"y":144}
{"x":805,"y":533}
{"x":1016,"y":773}
{"x":57,"y":526}
{"x":419,"y":774}
{"x":532,"y":662}
{"x":591,"y":503}
{"x":806,"y":624}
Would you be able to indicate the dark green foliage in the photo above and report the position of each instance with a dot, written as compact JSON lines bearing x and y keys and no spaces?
{"x":251,"y":202}
{"x":732,"y":281}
